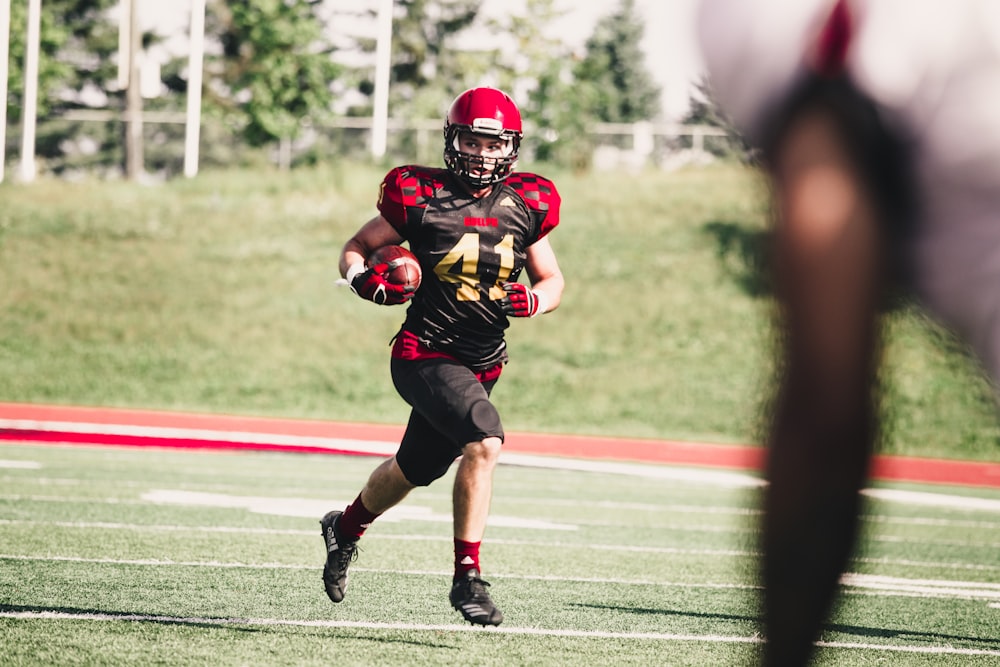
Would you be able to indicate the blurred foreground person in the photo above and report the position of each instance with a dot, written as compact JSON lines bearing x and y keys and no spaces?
{"x":473,"y":226}
{"x":879,"y":123}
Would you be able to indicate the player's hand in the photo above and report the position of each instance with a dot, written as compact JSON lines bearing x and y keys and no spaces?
{"x":371,"y":284}
{"x":519,"y":301}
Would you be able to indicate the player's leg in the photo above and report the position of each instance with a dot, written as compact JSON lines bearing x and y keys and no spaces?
{"x":474,"y":488}
{"x":455,"y":404}
{"x":385,"y":488}
{"x":829,"y":256}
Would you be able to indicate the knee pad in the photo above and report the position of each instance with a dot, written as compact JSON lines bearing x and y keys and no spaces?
{"x":483,"y":422}
{"x":422,"y":470}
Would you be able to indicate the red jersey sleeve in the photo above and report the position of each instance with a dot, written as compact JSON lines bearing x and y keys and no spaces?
{"x":542,"y":198}
{"x":390,"y":199}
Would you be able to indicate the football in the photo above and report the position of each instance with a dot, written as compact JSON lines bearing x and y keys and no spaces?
{"x":404,"y":269}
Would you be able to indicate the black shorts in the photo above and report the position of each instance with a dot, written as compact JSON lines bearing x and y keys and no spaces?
{"x":451,"y":408}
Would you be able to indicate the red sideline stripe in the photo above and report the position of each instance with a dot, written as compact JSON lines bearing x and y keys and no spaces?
{"x":200,"y":421}
{"x":64,"y":438}
{"x":741,"y":457}
{"x":936,"y":471}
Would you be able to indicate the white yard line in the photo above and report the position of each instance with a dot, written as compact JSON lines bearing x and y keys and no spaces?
{"x":20,"y":465}
{"x":853,"y":583}
{"x":505,"y":630}
{"x":913,"y":498}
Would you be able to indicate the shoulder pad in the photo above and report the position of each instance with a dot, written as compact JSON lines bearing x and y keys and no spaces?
{"x":538,"y":192}
{"x":541,"y":196}
{"x":417,"y":184}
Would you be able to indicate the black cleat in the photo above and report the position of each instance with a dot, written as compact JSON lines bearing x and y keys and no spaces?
{"x":469,"y":596}
{"x":339,"y":554}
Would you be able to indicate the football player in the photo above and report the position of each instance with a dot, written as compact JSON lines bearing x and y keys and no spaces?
{"x":474,"y":226}
{"x":879,"y":127}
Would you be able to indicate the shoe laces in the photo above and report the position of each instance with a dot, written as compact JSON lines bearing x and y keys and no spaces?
{"x":346,"y":554}
{"x":477,"y":589}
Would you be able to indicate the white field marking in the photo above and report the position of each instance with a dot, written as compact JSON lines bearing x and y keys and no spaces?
{"x":995,"y":605}
{"x":419,"y":627}
{"x":107,"y":525}
{"x":104,"y":525}
{"x":627,"y":582}
{"x":725,"y":479}
{"x":678,"y":528}
{"x":678,"y":509}
{"x":310,"y":508}
{"x":737,"y":553}
{"x":71,"y":501}
{"x":58,"y":481}
{"x":161,"y":562}
{"x":650,"y":471}
{"x":934,"y":499}
{"x":201,"y":486}
{"x":505,"y":630}
{"x":938,"y":588}
{"x":299,"y":507}
{"x":916,"y":563}
{"x":886,"y":495}
{"x":555,"y":502}
{"x":120,"y":483}
{"x":622,"y":548}
{"x":853,"y":584}
{"x":20,"y":465}
{"x":356,"y":568}
{"x":639,"y":507}
{"x":927,"y":650}
{"x":928,"y":521}
{"x":938,"y":543}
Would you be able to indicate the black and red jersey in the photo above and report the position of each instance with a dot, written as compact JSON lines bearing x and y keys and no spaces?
{"x":467,"y":248}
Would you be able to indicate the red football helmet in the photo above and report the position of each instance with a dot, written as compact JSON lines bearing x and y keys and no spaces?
{"x":483,"y":111}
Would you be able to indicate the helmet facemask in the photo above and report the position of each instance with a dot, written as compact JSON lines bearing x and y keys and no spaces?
{"x":480,"y":171}
{"x":487,"y":113}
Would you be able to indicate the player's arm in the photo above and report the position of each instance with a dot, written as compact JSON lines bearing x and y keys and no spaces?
{"x":829,"y":255}
{"x":547,"y":283}
{"x":375,"y":233}
{"x":369,"y":283}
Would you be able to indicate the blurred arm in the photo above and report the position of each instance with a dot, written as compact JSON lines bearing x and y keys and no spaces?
{"x":829,"y":264}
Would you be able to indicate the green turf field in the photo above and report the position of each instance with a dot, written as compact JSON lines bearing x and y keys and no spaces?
{"x":125,"y":556}
{"x":217,"y":294}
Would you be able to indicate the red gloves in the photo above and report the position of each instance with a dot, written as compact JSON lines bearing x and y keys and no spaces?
{"x":519,"y":301}
{"x":371,"y":284}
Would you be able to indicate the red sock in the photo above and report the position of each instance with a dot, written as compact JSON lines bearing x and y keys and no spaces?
{"x":355,"y":520}
{"x":466,"y":557}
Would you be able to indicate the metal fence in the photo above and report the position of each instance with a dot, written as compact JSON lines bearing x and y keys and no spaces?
{"x":97,"y":141}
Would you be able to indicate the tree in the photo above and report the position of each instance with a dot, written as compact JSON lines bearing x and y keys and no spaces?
{"x":622,"y":87}
{"x":538,"y":71}
{"x":275,"y":68}
{"x":77,"y":47}
{"x":704,"y":110}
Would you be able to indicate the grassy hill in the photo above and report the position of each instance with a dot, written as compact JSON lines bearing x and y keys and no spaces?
{"x":217,"y":294}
